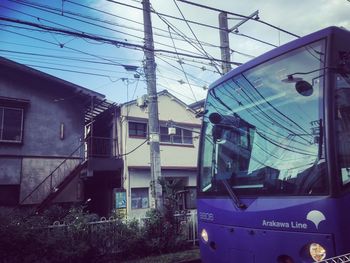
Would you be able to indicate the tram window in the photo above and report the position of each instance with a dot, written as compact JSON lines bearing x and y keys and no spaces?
{"x":343,"y":125}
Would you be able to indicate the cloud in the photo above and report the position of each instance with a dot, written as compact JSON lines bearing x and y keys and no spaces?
{"x":297,"y":17}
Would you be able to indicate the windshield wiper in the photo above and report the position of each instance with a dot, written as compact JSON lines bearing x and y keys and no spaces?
{"x":236,"y":201}
{"x":320,"y":141}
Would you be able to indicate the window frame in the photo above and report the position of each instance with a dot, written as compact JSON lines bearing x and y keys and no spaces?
{"x":136,"y":123}
{"x":133,"y":197}
{"x":2,"y":120}
{"x":172,"y":137}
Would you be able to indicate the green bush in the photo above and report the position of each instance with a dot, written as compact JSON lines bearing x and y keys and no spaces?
{"x":26,"y":237}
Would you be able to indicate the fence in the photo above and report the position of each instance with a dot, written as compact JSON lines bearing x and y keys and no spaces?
{"x":187,"y":220}
{"x":109,"y":235}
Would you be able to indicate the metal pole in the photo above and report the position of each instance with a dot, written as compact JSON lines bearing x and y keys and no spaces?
{"x":224,"y":38}
{"x":153,"y":121}
{"x":224,"y":43}
{"x":255,"y":14}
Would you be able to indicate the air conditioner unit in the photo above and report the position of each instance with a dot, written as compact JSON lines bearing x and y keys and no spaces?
{"x":171,"y":131}
{"x":141,"y":101}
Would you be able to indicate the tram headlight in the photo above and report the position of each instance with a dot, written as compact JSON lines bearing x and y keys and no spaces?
{"x":317,"y":252}
{"x":204,"y":235}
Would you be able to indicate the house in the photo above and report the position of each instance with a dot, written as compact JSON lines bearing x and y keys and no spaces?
{"x":45,"y":156}
{"x":179,"y":138}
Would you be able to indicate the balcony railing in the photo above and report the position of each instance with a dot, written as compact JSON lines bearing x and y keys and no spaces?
{"x":101,"y":147}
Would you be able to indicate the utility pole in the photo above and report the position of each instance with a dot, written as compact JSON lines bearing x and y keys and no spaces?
{"x":153,"y":121}
{"x":224,"y":43}
{"x":224,"y":38}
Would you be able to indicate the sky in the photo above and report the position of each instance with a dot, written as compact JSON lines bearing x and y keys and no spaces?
{"x":102,"y":66}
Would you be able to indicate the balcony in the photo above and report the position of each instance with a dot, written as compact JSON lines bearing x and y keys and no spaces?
{"x":102,"y":154}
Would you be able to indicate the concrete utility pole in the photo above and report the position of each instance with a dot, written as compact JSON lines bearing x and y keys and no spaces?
{"x":153,"y":121}
{"x":224,"y":43}
{"x":224,"y":38}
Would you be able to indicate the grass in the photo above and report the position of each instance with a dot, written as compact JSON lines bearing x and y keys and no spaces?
{"x":177,"y":257}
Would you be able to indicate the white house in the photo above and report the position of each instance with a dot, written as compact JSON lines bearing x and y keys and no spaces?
{"x":178,"y":150}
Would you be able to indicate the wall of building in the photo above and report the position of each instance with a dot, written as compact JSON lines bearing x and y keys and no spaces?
{"x":176,"y":160}
{"x":49,"y":106}
{"x":42,"y":148}
{"x":171,"y":155}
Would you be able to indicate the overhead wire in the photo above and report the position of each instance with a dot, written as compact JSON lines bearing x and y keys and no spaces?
{"x":61,"y":57}
{"x":254,"y":38}
{"x":219,"y":10}
{"x":45,"y":7}
{"x":106,"y":40}
{"x":70,"y":48}
{"x":187,"y":64}
{"x":71,"y":71}
{"x":195,"y":36}
{"x":239,"y":15}
{"x":183,"y":70}
{"x":34,"y":5}
{"x":162,"y":14}
{"x":46,"y":62}
{"x":63,"y":51}
{"x":186,"y":38}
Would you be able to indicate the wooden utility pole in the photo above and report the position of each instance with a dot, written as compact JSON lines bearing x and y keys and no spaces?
{"x":153,"y":121}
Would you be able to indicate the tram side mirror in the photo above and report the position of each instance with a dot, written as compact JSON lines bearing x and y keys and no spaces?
{"x":304,"y":88}
{"x":215,"y":118}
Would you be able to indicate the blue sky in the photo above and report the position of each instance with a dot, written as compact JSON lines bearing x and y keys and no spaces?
{"x":100,"y":66}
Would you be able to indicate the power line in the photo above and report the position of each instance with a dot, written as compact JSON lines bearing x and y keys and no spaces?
{"x":76,"y":50}
{"x":60,"y":57}
{"x":181,"y":61}
{"x":183,"y":70}
{"x":253,"y":38}
{"x":239,"y":15}
{"x":184,"y":36}
{"x":201,"y":24}
{"x":45,"y":7}
{"x":241,"y":53}
{"x":71,"y":71}
{"x":162,"y":14}
{"x":46,"y":62}
{"x":103,"y":39}
{"x":38,"y":6}
{"x":206,"y":53}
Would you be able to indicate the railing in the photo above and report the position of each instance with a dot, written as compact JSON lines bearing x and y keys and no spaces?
{"x":111,"y":228}
{"x":189,"y":220}
{"x":94,"y":147}
{"x":185,"y":219}
{"x":101,"y":147}
{"x":339,"y":259}
{"x":54,"y":179}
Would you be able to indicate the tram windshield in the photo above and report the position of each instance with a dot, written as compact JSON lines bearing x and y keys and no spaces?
{"x":263,"y":129}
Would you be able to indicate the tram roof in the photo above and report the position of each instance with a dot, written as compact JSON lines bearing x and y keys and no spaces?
{"x":323,"y":33}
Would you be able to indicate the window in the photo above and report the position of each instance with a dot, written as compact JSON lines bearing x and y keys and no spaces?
{"x":11,"y":124}
{"x":181,"y":136}
{"x":139,"y":198}
{"x":137,"y":129}
{"x":267,"y":138}
{"x":342,"y":96}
